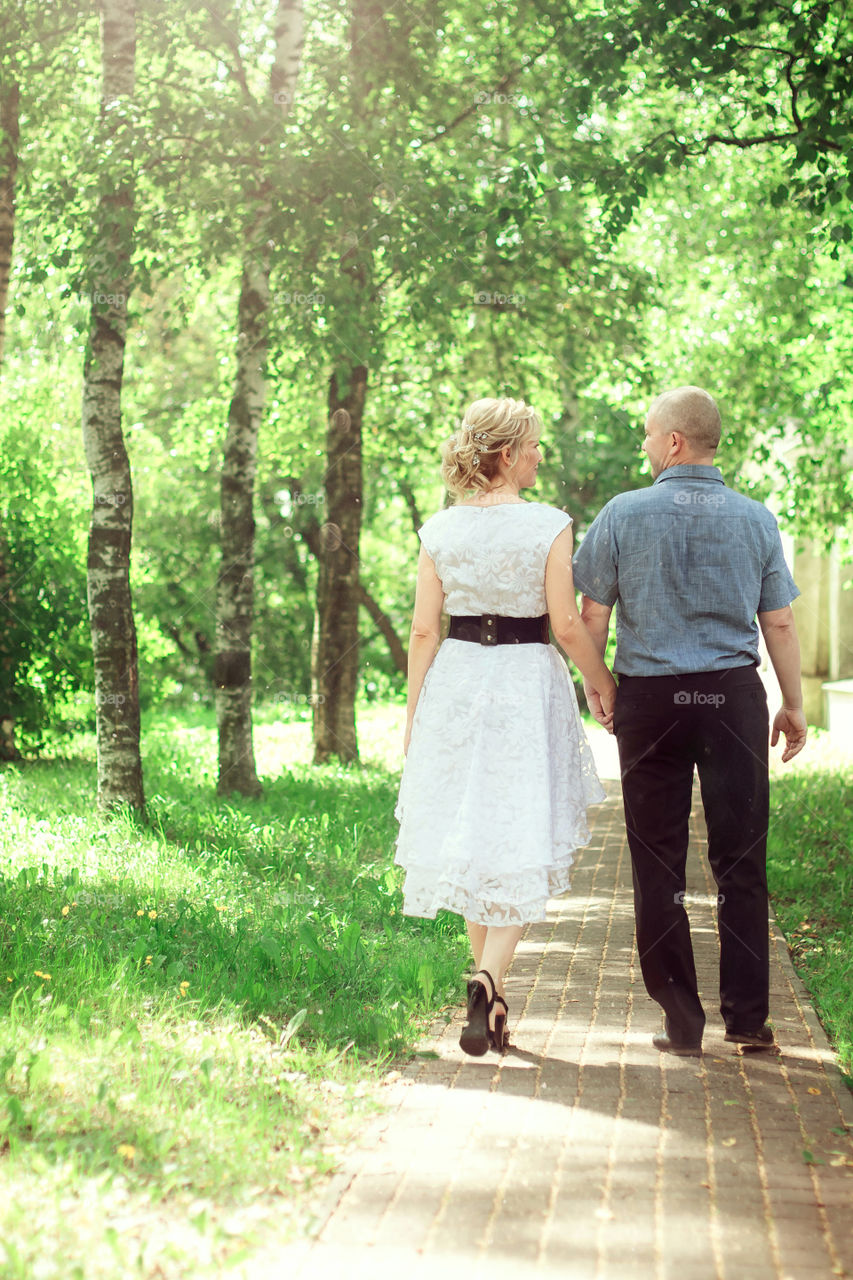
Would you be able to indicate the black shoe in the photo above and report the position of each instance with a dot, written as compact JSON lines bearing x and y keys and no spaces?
{"x":761,"y":1039}
{"x":476,"y":1036}
{"x":499,"y":1038}
{"x":682,"y":1048}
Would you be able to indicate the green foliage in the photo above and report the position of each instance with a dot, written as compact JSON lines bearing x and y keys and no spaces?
{"x":810,"y":873}
{"x":749,"y":76}
{"x":45,"y":654}
{"x":527,"y":203}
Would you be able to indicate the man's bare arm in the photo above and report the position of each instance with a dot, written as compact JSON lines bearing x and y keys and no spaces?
{"x":596,"y":618}
{"x":783,"y":645}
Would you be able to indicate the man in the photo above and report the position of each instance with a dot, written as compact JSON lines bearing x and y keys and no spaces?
{"x":689,"y":564}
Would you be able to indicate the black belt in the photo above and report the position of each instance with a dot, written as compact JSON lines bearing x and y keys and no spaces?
{"x":491,"y":628}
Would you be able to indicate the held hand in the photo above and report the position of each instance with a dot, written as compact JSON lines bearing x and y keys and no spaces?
{"x":793,"y":725}
{"x":601,"y":704}
{"x":607,"y":699}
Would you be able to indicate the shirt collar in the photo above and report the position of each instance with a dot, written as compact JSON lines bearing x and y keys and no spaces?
{"x":691,"y":471}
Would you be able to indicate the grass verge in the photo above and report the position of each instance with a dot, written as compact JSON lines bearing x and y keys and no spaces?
{"x":810,"y":873}
{"x":194,"y":1012}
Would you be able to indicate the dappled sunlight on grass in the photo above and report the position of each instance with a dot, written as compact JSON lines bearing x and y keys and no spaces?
{"x":195,"y":1008}
{"x":810,"y":875}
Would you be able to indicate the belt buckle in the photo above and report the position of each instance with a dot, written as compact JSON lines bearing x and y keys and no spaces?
{"x":489,"y":629}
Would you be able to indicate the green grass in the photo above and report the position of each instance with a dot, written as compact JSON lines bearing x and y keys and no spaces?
{"x":195,"y":1012}
{"x":810,"y":872}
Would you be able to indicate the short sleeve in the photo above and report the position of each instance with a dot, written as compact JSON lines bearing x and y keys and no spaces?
{"x":595,"y":563}
{"x":778,"y":588}
{"x":428,"y":534}
{"x":555,"y":523}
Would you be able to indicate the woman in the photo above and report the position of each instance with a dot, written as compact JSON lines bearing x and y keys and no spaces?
{"x":498,"y":772}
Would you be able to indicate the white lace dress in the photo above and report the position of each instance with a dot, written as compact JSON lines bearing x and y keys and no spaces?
{"x":499,"y":772}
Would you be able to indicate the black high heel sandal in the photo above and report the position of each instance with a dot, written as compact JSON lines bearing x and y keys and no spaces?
{"x":476,"y":1036}
{"x":499,"y":1038}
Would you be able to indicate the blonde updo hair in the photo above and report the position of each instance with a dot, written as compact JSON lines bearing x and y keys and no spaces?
{"x":471,"y":457}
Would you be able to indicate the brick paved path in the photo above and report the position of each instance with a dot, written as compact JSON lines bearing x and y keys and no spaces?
{"x":586,"y":1153}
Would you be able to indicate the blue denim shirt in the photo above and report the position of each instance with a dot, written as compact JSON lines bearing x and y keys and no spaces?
{"x":688,"y":563}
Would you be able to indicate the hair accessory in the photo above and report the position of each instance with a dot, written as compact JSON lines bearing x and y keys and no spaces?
{"x":483,"y":438}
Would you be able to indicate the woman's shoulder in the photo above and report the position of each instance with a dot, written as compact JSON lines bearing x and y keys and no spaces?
{"x":551,"y":517}
{"x":436,"y":519}
{"x":541,"y":512}
{"x":433,"y":531}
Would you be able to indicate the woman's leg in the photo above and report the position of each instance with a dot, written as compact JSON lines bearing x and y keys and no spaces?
{"x":499,"y":948}
{"x":477,"y":937}
{"x":493,"y":949}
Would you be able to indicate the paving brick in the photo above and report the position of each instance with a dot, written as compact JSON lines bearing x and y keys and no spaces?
{"x":585,"y":1154}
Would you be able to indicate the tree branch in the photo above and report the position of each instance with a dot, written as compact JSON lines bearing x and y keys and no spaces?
{"x":822,"y":144}
{"x":789,"y":76}
{"x":385,"y":627}
{"x":442,"y":131}
{"x":407,"y":492}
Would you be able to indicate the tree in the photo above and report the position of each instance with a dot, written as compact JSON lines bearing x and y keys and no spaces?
{"x":9,"y":98}
{"x":9,"y":138}
{"x":234,"y":610}
{"x":429,"y":178}
{"x":110,"y":608}
{"x":745,"y":76}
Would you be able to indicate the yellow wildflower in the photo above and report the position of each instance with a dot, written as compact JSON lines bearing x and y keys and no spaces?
{"x":66,"y":909}
{"x":140,"y":913}
{"x":44,"y":976}
{"x":152,"y":915}
{"x":148,"y":959}
{"x":126,"y":1151}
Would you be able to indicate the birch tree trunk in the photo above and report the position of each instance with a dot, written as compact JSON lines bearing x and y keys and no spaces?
{"x":334,"y":656}
{"x":110,"y":609}
{"x":232,"y":671}
{"x":9,"y":138}
{"x":334,"y":652}
{"x":232,"y":666}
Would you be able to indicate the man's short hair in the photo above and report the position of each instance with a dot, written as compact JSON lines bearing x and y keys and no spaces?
{"x":693,"y":413}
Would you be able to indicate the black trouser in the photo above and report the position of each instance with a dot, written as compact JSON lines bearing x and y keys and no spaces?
{"x":717,"y":721}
